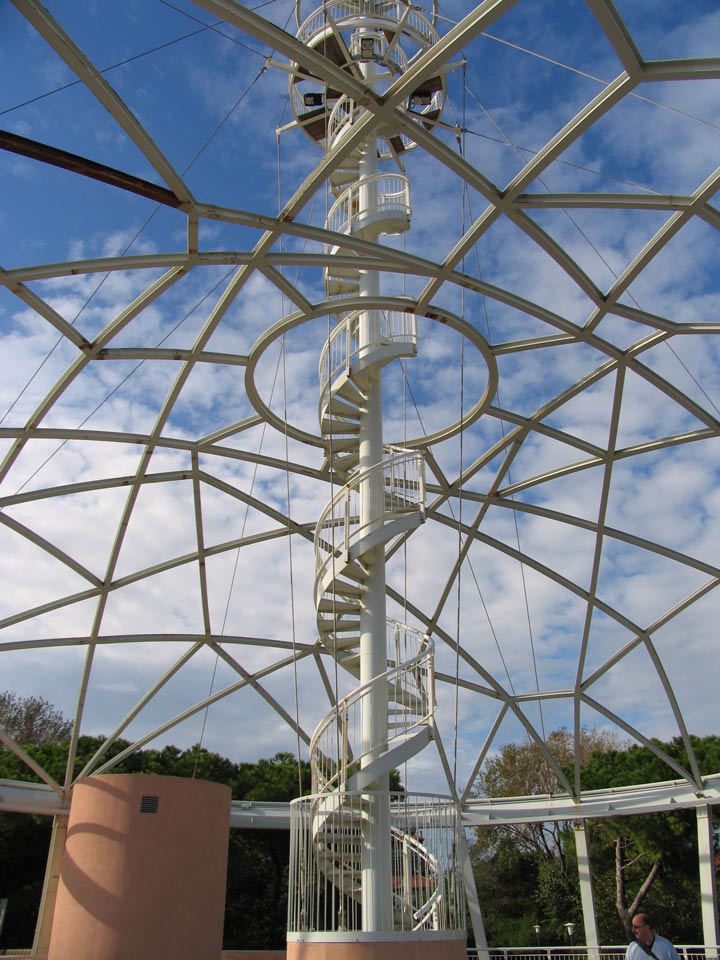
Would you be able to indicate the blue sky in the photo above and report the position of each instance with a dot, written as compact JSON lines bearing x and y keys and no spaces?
{"x":212,"y":103}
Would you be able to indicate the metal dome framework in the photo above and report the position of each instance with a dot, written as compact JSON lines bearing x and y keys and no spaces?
{"x":568,"y":564}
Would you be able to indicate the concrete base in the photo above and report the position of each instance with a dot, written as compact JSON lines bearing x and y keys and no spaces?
{"x":253,"y":955}
{"x":427,"y":948}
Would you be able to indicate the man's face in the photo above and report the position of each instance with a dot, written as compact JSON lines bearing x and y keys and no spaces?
{"x":642,"y":931}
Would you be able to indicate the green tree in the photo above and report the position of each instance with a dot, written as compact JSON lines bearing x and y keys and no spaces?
{"x":38,"y":726}
{"x":526,"y":873}
{"x":32,"y":719}
{"x":24,"y":844}
{"x":653,"y":854}
{"x":257,"y":891}
{"x":256,"y":905}
{"x":520,"y":769}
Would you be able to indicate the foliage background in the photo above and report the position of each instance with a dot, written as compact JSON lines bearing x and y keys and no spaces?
{"x":527,"y":875}
{"x":256,"y":903}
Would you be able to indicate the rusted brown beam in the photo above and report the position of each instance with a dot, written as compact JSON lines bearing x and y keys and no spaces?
{"x":86,"y":168}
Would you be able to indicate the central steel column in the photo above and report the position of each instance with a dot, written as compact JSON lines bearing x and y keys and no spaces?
{"x":376,"y":861}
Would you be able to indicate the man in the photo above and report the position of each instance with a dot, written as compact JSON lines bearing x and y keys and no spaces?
{"x":647,"y":942}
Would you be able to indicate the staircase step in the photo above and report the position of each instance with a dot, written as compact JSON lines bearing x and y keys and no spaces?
{"x":338,"y":606}
{"x":348,"y":580}
{"x":342,"y":286}
{"x":341,"y":589}
{"x":348,"y":390}
{"x":345,"y":270}
{"x":355,"y":571}
{"x":338,"y":407}
{"x":342,"y":444}
{"x":350,"y":878}
{"x":338,"y":647}
{"x":336,"y":840}
{"x":338,"y":185}
{"x":398,"y":731}
{"x":336,"y":626}
{"x":336,"y":640}
{"x":343,"y":465}
{"x":344,"y":468}
{"x":410,"y":702}
{"x":335,"y":426}
{"x":351,"y":664}
{"x":407,"y":715}
{"x":343,"y":176}
{"x":398,"y":504}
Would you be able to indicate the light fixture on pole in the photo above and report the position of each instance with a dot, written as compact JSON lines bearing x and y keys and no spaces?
{"x":367,"y":48}
{"x":536,"y":928}
{"x":570,"y":927}
{"x":313,"y":99}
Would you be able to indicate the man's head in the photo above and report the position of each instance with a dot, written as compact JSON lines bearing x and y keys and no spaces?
{"x":641,"y":928}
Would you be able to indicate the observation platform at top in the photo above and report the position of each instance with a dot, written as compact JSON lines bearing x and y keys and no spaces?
{"x":39,"y":798}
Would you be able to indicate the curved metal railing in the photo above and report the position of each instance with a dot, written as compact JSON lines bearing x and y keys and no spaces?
{"x":381,"y":201}
{"x":341,"y":525}
{"x":336,"y":753}
{"x":391,"y":15}
{"x":342,"y":347}
{"x":327,"y":859}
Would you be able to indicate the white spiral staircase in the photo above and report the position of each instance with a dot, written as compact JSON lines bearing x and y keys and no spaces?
{"x":341,"y":775}
{"x":373,"y":504}
{"x":341,"y":769}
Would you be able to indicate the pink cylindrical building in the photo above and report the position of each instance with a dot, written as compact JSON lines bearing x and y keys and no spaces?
{"x":144,"y":871}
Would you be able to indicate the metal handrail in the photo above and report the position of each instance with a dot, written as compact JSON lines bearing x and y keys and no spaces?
{"x":568,"y":952}
{"x":342,"y":346}
{"x":383,"y":195}
{"x":327,"y":848}
{"x":386,"y":15}
{"x":403,"y":479}
{"x":334,"y":749}
{"x":340,"y":727}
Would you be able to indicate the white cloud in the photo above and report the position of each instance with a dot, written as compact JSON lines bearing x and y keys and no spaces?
{"x":503,"y":612}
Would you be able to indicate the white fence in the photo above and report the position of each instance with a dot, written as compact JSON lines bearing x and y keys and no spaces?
{"x":614,"y":952}
{"x":328,"y":857}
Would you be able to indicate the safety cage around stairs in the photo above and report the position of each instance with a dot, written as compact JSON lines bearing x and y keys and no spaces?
{"x":328,"y":857}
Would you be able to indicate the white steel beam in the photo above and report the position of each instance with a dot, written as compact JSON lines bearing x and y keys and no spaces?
{"x":592,"y":938}
{"x":38,"y":798}
{"x":93,"y":79}
{"x":594,"y":804}
{"x":708,"y":884}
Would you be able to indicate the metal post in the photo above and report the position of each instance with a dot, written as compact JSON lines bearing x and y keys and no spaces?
{"x":708,"y":887}
{"x":473,"y":901}
{"x":50,"y":888}
{"x":586,"y":893}
{"x":377,"y":865}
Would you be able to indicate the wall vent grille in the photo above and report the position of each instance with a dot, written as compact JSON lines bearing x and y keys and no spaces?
{"x":149,"y":804}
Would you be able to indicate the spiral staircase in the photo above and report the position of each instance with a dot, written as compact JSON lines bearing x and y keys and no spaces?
{"x":379,"y":494}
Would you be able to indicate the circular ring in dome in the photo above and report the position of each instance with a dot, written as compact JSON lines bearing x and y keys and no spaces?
{"x":350,"y":304}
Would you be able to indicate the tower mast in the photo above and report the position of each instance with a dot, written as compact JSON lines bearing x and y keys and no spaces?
{"x":366,"y":865}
